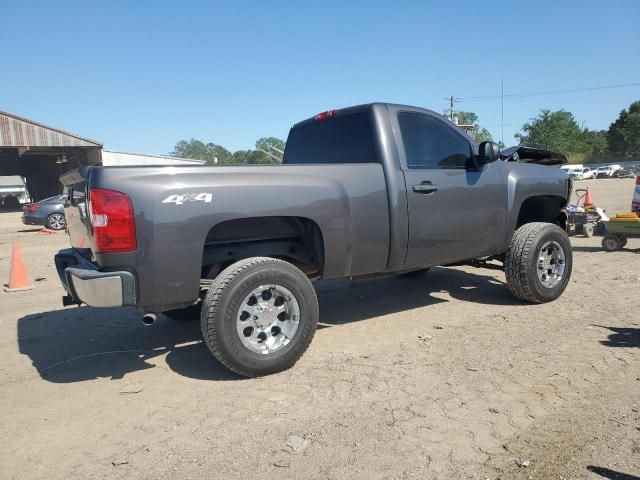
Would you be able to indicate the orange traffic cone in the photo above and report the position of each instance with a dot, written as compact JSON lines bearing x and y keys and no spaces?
{"x":18,"y":276}
{"x":588,"y":200}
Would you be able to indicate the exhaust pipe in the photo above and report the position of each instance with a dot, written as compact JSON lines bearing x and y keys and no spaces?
{"x":148,"y":319}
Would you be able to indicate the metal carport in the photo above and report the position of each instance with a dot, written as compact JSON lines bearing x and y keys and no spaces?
{"x":41,"y":153}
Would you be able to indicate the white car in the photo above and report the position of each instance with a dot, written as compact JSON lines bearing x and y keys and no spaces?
{"x":608,"y":171}
{"x":579,"y":172}
{"x":572,"y":170}
{"x":587,"y":173}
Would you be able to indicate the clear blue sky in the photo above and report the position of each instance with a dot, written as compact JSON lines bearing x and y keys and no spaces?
{"x":140,"y":75}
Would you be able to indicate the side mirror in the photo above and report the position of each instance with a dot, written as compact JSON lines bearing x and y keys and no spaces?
{"x":488,"y":152}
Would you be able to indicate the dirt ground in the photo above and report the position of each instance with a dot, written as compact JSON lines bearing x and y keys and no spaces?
{"x":443,"y":377}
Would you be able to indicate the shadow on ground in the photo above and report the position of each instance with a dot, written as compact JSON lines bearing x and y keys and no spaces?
{"x":79,"y":344}
{"x":346,"y":301}
{"x":611,"y":474}
{"x":578,"y":248}
{"x":622,"y":337}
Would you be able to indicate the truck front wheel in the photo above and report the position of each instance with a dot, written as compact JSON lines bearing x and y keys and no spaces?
{"x":538,"y":262}
{"x":259,"y":316}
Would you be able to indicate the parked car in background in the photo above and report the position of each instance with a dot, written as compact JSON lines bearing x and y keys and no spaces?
{"x":572,"y":170}
{"x":585,"y":174}
{"x":48,"y":212}
{"x":579,"y":172}
{"x":608,"y":172}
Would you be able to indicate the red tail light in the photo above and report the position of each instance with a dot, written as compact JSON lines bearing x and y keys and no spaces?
{"x":638,"y":179}
{"x":324,"y":115}
{"x":112,"y":222}
{"x":31,"y":207}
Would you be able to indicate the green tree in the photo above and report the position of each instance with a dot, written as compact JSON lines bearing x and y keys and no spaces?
{"x":191,"y":149}
{"x":210,"y":152}
{"x":216,"y":154}
{"x":623,"y":137}
{"x":557,"y":131}
{"x":596,"y":141}
{"x":265,"y":144}
{"x":480,"y":134}
{"x":466,"y":118}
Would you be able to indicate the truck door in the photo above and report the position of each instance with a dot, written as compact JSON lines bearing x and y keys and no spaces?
{"x":457,"y":211}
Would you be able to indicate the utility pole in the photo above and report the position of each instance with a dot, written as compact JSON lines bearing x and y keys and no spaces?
{"x":452,"y":101}
{"x":502,"y":111}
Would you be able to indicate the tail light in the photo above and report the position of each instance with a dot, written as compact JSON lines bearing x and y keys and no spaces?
{"x":325,"y":115}
{"x":31,"y":207}
{"x":112,"y":222}
{"x":638,"y":179}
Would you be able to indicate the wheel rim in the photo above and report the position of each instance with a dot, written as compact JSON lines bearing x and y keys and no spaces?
{"x":610,"y":244}
{"x":551,"y":264}
{"x":267,"y":319}
{"x":56,"y":221}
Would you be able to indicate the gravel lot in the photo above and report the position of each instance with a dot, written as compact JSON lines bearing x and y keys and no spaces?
{"x":444,"y":377}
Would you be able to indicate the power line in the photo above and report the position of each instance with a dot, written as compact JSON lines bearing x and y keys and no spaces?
{"x":551,"y":92}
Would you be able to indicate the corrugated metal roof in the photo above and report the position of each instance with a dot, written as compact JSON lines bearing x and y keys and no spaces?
{"x":111,"y":158}
{"x":17,"y":131}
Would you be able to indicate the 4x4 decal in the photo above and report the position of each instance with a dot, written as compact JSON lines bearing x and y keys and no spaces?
{"x":181,"y":198}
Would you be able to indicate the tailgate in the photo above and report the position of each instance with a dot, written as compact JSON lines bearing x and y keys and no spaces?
{"x":75,"y":210}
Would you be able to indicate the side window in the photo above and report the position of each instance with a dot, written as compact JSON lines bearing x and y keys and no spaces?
{"x":429,"y":143}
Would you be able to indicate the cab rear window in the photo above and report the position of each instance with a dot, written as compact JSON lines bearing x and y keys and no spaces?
{"x":339,"y":139}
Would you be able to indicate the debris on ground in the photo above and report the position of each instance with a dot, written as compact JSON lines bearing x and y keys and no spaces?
{"x":425,"y":338}
{"x":296,"y":444}
{"x":132,"y":388}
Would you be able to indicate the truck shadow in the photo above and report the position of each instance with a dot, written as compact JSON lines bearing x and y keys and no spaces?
{"x":80,"y":344}
{"x":345,"y":301}
{"x":627,"y":337}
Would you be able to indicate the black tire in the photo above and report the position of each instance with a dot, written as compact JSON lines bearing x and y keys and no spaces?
{"x":611,"y":243}
{"x":223,"y":301}
{"x":56,"y":221}
{"x":521,"y":262}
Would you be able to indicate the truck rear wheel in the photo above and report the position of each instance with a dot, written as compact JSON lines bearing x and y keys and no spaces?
{"x":259,"y":316}
{"x":538,"y":262}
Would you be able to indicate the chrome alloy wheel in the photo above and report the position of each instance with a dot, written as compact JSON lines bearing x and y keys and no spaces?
{"x":551,"y":264}
{"x":57,"y":221}
{"x":268,"y":318}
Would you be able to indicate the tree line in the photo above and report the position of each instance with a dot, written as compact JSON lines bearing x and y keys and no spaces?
{"x":267,"y":150}
{"x":557,"y":131}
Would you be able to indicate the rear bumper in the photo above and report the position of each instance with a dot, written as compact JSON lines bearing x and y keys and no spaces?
{"x":86,"y":284}
{"x":28,"y":220}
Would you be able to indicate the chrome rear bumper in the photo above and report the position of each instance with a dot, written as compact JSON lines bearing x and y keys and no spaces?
{"x":86,"y":284}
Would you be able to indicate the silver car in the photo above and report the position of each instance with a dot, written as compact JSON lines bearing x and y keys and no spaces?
{"x":48,"y":212}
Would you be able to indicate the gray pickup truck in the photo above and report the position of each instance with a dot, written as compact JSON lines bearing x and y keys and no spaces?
{"x":371,"y":189}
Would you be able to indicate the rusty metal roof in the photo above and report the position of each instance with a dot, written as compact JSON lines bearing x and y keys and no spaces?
{"x":17,"y":131}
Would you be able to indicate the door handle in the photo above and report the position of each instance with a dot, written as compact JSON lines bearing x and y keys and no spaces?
{"x":425,"y":187}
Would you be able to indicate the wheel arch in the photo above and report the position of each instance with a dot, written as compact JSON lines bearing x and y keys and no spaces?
{"x":298,"y":240}
{"x":542,"y":208}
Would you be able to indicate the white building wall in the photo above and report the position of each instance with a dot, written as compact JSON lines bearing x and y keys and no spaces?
{"x":113,"y":159}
